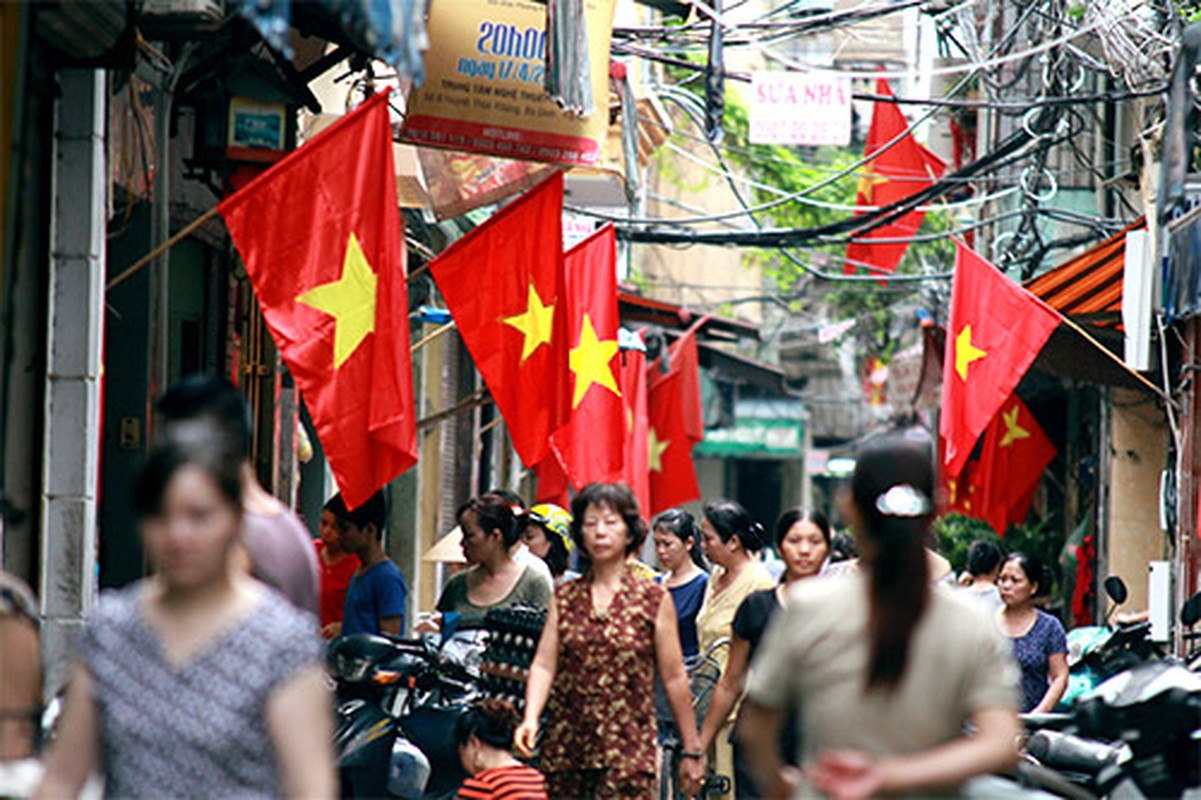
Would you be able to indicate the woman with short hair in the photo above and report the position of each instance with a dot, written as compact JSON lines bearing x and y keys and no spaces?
{"x":607,"y":633}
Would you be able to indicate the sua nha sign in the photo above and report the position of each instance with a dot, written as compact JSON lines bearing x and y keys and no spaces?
{"x":800,"y":109}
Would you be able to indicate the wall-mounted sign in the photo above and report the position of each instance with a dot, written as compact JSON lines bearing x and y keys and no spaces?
{"x":770,"y":438}
{"x":483,"y":91}
{"x":800,"y":109}
{"x":256,"y":126}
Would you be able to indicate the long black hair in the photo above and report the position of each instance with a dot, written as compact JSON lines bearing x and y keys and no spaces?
{"x":682,"y":525}
{"x":891,"y":487}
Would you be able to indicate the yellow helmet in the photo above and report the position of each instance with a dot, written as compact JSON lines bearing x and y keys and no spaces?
{"x":555,"y":519}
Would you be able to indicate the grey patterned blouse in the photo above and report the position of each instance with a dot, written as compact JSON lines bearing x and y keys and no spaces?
{"x":198,"y":730}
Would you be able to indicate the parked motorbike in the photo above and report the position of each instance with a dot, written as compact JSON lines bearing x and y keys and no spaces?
{"x":1137,"y":734}
{"x":397,"y":703}
{"x":1097,"y":652}
{"x":399,"y":699}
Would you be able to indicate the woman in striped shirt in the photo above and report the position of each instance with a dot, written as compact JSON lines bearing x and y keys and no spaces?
{"x":484,"y":735}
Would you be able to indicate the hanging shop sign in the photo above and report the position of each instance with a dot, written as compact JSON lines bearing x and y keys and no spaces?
{"x":800,"y":109}
{"x":770,"y":438}
{"x":484,"y":87}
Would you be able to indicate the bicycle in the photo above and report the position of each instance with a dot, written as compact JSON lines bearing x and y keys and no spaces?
{"x":703,"y":673}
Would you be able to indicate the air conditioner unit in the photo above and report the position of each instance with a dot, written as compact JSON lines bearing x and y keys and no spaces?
{"x":171,"y":18}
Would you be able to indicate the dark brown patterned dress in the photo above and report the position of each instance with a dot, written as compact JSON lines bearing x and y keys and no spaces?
{"x":600,"y":735}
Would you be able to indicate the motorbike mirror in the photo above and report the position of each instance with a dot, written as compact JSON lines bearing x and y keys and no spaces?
{"x":1190,"y":613}
{"x":1115,"y":587}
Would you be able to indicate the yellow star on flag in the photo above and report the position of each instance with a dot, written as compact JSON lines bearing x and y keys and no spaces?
{"x":536,"y":323}
{"x":965,"y":351}
{"x":656,"y":446}
{"x":866,"y":186}
{"x":350,"y":300}
{"x":1013,"y":431}
{"x":589,"y":360}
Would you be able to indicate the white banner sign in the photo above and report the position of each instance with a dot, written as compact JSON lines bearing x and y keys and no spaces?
{"x":795,"y":108}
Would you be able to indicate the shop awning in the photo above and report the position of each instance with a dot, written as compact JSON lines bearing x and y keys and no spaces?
{"x":721,"y":364}
{"x":635,"y":308}
{"x":1088,"y":288}
{"x":731,"y":368}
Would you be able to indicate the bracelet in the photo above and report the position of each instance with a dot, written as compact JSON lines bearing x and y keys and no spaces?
{"x":688,"y":754}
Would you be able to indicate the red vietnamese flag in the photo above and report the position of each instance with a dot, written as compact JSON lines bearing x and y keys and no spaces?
{"x":590,"y":445}
{"x":683,"y":357}
{"x":503,"y":284}
{"x":552,"y":482}
{"x":1013,"y":456}
{"x":636,"y":472}
{"x":962,"y":491}
{"x":320,"y":234}
{"x":995,"y":332}
{"x":897,"y":173}
{"x":676,"y":424}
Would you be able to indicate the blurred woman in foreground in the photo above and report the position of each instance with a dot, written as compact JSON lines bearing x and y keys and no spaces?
{"x":885,"y":670}
{"x":198,"y":680}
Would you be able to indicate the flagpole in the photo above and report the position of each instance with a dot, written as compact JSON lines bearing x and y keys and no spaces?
{"x":185,"y":232}
{"x":419,"y":271}
{"x":432,"y":336}
{"x":1151,"y":387}
{"x":477,"y":398}
{"x":700,"y":323}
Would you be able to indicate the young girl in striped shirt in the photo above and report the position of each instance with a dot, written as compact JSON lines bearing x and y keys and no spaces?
{"x":484,"y":735}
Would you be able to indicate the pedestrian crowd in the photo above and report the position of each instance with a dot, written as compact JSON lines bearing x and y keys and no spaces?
{"x":849,"y":666}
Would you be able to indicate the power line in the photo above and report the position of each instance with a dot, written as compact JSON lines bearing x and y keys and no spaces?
{"x":1012,"y":146}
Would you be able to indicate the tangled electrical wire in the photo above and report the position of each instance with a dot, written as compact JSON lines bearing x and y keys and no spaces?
{"x":1044,"y":84}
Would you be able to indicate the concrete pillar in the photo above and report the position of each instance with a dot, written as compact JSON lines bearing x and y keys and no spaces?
{"x":1139,"y":442}
{"x":74,"y":334}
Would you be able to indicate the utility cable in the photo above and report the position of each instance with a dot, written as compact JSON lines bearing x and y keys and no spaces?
{"x":1014,"y":143}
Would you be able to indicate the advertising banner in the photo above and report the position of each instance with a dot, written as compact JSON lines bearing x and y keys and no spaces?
{"x":484,"y":88}
{"x":800,"y":109}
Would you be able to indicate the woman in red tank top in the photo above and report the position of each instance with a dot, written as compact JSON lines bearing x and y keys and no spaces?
{"x":337,"y":568}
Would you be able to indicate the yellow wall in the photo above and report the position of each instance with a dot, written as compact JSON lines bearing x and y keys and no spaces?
{"x":1139,"y":441}
{"x":699,"y":277}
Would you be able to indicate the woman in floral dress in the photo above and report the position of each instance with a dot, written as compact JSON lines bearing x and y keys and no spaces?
{"x":605,"y":635}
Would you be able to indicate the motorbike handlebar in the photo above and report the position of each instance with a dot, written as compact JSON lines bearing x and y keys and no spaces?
{"x":1066,"y":751}
{"x":1046,"y":721}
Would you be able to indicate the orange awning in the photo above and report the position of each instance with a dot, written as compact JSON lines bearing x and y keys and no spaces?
{"x":1088,"y":288}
